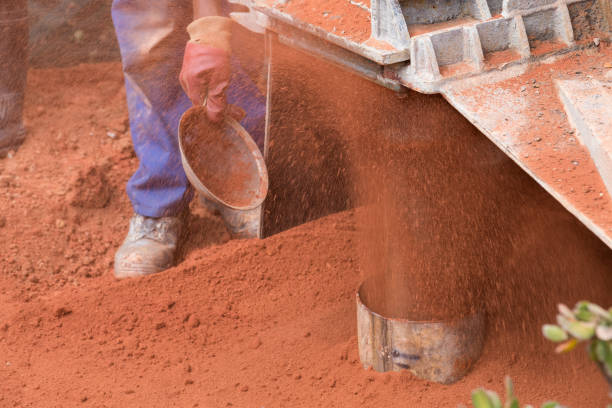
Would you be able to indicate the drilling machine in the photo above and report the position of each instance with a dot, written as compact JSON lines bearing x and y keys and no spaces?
{"x":533,"y":76}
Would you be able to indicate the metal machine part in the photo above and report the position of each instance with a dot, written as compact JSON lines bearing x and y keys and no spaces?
{"x":503,"y":64}
{"x":440,"y":351}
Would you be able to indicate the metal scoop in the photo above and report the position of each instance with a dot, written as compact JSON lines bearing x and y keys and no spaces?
{"x":222,"y":161}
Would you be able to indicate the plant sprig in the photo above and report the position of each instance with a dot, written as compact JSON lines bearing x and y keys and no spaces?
{"x":587,"y":322}
{"x":482,"y":398}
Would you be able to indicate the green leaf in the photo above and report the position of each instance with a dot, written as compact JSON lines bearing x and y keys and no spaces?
{"x":567,"y":346}
{"x":581,"y":330}
{"x":513,"y":403}
{"x":608,"y":360}
{"x":565,"y":311}
{"x":582,"y":312}
{"x":554,"y":333}
{"x":511,"y":400}
{"x":601,"y":350}
{"x":604,"y":332}
{"x":480,"y":399}
{"x":564,"y":322}
{"x":509,"y":387}
{"x":591,"y":350}
{"x":494,"y":398}
{"x":600,"y":311}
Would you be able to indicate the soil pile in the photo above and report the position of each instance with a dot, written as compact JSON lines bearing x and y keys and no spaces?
{"x":246,"y":323}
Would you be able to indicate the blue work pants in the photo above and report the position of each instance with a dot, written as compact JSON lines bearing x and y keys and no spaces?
{"x":152,"y":38}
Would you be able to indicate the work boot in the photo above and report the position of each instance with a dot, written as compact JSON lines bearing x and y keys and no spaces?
{"x":149,"y":247}
{"x":13,"y":71}
{"x":240,"y":223}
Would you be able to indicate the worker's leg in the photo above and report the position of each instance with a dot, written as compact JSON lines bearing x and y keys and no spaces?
{"x":152,"y":37}
{"x":13,"y":71}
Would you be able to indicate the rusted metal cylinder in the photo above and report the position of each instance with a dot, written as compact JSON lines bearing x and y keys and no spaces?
{"x":13,"y":69}
{"x":440,"y":351}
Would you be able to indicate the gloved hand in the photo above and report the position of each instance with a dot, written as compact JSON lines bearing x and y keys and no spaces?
{"x":205,"y":74}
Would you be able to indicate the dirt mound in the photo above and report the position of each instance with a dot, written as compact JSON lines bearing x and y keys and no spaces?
{"x":90,"y":189}
{"x":243,"y":323}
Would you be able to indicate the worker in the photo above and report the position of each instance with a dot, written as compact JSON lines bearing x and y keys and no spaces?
{"x":174,"y":54}
{"x":13,"y":70}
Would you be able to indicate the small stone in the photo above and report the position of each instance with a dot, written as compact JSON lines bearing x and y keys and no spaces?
{"x":596,"y":41}
{"x":255,"y":343}
{"x":575,"y":162}
{"x":112,"y":135}
{"x":244,"y":388}
{"x":523,"y":88}
{"x":526,"y":156}
{"x":538,"y":139}
{"x":160,"y":325}
{"x":188,"y":382}
{"x":7,"y":181}
{"x":540,"y":114}
{"x":193,"y":322}
{"x":62,"y":312}
{"x":59,"y":223}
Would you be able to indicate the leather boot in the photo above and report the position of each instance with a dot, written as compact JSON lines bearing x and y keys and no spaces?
{"x":149,"y":247}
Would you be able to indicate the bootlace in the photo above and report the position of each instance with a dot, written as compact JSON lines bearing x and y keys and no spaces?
{"x":164,"y":229}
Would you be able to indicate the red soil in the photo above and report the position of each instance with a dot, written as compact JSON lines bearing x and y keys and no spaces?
{"x":242,"y":323}
{"x":338,"y":17}
{"x":500,"y":58}
{"x":547,"y":143}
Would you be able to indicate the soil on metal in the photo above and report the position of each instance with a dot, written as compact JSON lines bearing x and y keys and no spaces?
{"x":343,"y":17}
{"x":221,"y":162}
{"x":244,"y":323}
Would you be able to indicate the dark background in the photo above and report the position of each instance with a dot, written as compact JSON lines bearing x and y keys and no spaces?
{"x":68,"y":32}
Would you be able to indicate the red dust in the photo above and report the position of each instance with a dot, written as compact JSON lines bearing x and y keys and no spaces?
{"x":241,"y":323}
